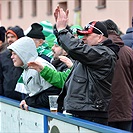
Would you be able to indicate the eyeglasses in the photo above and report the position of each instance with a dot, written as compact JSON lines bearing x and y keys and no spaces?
{"x":91,"y":26}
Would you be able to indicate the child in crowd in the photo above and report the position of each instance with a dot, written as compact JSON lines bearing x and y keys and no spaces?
{"x":38,"y":89}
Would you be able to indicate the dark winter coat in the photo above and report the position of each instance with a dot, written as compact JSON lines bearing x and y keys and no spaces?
{"x":121,"y":107}
{"x":88,"y":85}
{"x":9,"y":75}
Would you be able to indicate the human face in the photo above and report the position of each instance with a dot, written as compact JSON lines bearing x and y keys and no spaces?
{"x":91,"y":39}
{"x":16,"y":60}
{"x":57,"y":51}
{"x":11,"y":38}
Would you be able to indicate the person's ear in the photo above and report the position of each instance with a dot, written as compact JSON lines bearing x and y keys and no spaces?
{"x":41,"y":42}
{"x":100,"y":38}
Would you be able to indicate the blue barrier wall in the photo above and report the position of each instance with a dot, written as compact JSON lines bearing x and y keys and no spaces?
{"x":15,"y":120}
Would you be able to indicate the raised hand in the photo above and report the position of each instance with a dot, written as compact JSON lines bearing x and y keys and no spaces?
{"x":35,"y":65}
{"x":61,"y":18}
{"x":56,"y":13}
{"x":66,"y":60}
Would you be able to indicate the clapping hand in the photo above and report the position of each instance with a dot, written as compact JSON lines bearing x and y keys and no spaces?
{"x":61,"y":18}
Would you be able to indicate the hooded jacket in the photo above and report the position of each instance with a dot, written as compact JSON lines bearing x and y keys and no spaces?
{"x":128,"y":37}
{"x":120,"y":108}
{"x":26,"y":50}
{"x":9,"y":74}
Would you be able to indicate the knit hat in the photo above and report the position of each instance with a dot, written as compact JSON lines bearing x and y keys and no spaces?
{"x":50,"y":40}
{"x":74,"y":28}
{"x":36,"y":31}
{"x":2,"y":33}
{"x":110,"y":25}
{"x":47,"y":28}
{"x":16,"y":31}
{"x":94,"y":27}
{"x":55,"y":41}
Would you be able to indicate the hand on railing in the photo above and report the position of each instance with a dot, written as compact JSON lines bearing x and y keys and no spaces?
{"x":23,"y":105}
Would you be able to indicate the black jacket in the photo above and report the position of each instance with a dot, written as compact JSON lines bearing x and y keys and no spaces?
{"x":9,"y":75}
{"x":88,"y":86}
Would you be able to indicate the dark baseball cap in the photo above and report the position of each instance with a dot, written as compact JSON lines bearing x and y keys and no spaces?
{"x":94,"y":27}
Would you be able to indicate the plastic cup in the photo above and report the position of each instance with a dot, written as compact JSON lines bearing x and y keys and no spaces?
{"x":53,"y":103}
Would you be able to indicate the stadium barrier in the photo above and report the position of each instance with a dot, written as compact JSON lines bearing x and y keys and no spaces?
{"x":15,"y":120}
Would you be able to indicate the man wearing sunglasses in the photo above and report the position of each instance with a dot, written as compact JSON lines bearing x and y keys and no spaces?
{"x":86,"y":93}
